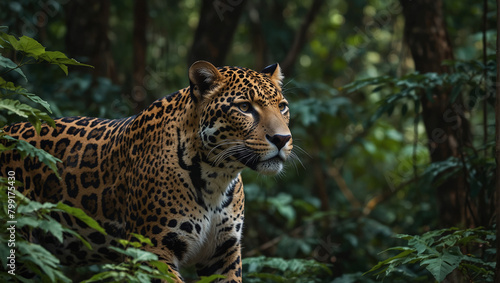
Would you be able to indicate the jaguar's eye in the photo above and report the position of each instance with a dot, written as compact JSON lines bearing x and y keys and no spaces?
{"x":245,"y":107}
{"x":283,"y":106}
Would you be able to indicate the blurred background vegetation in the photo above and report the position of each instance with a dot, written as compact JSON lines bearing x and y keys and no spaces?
{"x":392,"y":112}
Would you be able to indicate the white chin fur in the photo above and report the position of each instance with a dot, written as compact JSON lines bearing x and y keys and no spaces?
{"x":270,"y":167}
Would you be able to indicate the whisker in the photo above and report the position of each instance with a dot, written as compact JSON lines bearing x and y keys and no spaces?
{"x":238,"y":147}
{"x":222,"y":156}
{"x":301,"y":150}
{"x":294,"y":158}
{"x":250,"y":154}
{"x":222,"y":144}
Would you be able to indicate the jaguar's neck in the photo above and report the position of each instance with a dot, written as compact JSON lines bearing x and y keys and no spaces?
{"x":168,"y":132}
{"x":211,"y":180}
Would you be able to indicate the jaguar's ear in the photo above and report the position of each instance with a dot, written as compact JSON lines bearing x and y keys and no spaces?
{"x":274,"y":72}
{"x":203,"y":77}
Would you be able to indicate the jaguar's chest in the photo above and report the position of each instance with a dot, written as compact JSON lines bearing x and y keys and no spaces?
{"x":203,"y":245}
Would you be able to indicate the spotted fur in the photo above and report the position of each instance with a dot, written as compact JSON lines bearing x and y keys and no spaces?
{"x":170,"y":173}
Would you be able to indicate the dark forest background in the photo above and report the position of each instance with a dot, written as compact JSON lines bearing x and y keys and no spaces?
{"x":392,"y":106}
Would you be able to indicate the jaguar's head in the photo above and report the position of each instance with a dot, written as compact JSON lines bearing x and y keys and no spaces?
{"x":243,"y":116}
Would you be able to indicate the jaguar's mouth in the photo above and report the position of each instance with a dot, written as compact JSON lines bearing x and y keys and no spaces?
{"x":270,"y":166}
{"x":248,"y":159}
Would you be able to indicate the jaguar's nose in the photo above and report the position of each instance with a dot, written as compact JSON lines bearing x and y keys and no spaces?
{"x":279,"y":140}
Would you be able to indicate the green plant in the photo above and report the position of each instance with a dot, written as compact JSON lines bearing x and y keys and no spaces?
{"x":21,"y":212}
{"x":22,"y":257}
{"x":403,"y":92}
{"x":269,"y":269}
{"x":135,"y":268}
{"x":30,"y":52}
{"x":443,"y":251}
{"x":139,"y":266}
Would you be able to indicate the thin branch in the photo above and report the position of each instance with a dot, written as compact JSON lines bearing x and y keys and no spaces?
{"x":485,"y":77}
{"x":300,"y":38}
{"x":273,"y":242}
{"x":19,"y":65}
{"x":415,"y":144}
{"x":335,"y":174}
{"x":372,"y":203}
{"x":321,"y":186}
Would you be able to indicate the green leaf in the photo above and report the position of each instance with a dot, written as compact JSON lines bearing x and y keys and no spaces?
{"x":5,"y":148}
{"x":160,"y":266}
{"x":34,"y":115}
{"x":49,"y":225}
{"x":34,"y":206}
{"x":127,"y":243}
{"x":443,"y":264}
{"x":33,"y":48}
{"x":44,"y":260}
{"x":211,"y":278}
{"x":272,"y":277}
{"x":8,"y":41}
{"x":11,"y":88}
{"x":25,"y":44}
{"x":78,"y":213}
{"x":403,"y":236}
{"x":60,"y":59}
{"x":422,"y":245}
{"x":297,"y":267}
{"x":142,"y":239}
{"x":30,"y":46}
{"x":405,"y":253}
{"x":16,"y":107}
{"x":358,"y":84}
{"x":11,"y":66}
{"x":75,"y":234}
{"x":35,"y":98}
{"x":8,"y":85}
{"x":27,"y":220}
{"x":137,"y":255}
{"x":103,"y":276}
{"x":26,"y":149}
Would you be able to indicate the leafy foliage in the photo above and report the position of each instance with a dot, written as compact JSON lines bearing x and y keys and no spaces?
{"x":29,"y":215}
{"x":28,"y":150}
{"x":440,"y":252}
{"x":32,"y":257}
{"x":399,"y":91}
{"x":139,"y":266}
{"x":31,"y":52}
{"x":267,"y":269}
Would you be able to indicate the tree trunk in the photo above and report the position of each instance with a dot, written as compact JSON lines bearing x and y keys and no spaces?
{"x":300,"y":38}
{"x":446,"y":127}
{"x":258,"y":40}
{"x":139,"y":92}
{"x":497,"y":147}
{"x":86,"y":36}
{"x":216,"y":27}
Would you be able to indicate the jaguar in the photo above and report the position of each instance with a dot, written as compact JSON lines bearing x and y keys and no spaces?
{"x":170,"y":173}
